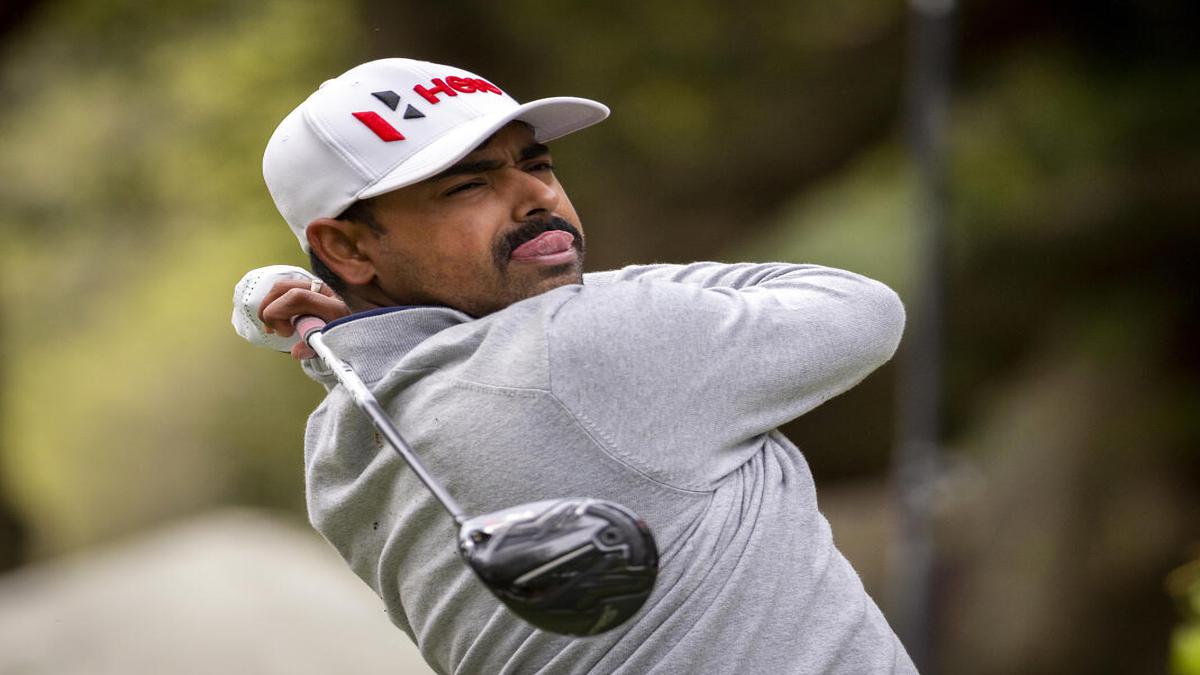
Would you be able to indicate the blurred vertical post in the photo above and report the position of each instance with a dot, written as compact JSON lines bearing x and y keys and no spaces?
{"x":916,"y":460}
{"x":12,"y":533}
{"x":13,"y":15}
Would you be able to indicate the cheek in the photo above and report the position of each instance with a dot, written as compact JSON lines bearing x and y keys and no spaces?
{"x":462,"y":249}
{"x":467,"y":242}
{"x":566,"y":209}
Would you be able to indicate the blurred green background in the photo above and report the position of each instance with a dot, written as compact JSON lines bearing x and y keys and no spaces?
{"x":131,"y":201}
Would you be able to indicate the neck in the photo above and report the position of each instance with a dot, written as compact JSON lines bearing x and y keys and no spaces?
{"x":364,"y":298}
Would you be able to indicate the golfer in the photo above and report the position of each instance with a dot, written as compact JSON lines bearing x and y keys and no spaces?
{"x":452,"y":262}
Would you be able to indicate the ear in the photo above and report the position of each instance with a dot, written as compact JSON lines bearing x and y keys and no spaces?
{"x":336,"y":242}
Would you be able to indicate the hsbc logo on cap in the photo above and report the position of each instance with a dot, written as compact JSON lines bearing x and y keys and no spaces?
{"x":453,"y":85}
{"x":450,"y":86}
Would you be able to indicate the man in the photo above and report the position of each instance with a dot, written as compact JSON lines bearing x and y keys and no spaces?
{"x":427,"y":198}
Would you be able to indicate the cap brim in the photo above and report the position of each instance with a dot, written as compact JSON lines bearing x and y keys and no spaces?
{"x":550,"y":118}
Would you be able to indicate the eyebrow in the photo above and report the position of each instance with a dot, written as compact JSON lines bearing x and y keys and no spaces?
{"x":528,"y":152}
{"x":534,"y":150}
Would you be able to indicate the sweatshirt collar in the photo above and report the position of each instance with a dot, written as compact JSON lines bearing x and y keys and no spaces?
{"x":371,"y":342}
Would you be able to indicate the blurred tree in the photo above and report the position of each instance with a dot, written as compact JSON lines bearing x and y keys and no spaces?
{"x":12,"y":529}
{"x":132,"y":203}
{"x":132,"y":134}
{"x":1184,"y":584}
{"x":12,"y":15}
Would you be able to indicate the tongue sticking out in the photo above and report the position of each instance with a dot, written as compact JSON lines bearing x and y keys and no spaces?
{"x":546,"y":243}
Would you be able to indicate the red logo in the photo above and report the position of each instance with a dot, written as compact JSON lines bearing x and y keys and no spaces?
{"x":380,"y":126}
{"x":454,"y":85}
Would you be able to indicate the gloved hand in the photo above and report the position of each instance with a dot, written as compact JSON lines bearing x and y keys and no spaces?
{"x":267,"y":299}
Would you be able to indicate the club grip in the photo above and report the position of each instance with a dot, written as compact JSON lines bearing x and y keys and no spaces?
{"x":306,"y":325}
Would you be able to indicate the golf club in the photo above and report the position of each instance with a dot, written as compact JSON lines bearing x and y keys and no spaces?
{"x":575,"y":566}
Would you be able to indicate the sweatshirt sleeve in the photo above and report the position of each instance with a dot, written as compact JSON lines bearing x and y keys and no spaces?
{"x":680,"y":368}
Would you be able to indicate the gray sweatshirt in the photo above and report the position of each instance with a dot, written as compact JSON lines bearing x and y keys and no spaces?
{"x":658,"y":387}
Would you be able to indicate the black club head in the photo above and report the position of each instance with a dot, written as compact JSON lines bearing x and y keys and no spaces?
{"x":571,"y":566}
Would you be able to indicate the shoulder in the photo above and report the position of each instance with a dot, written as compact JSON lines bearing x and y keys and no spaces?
{"x":509,"y":348}
{"x":610,"y":315}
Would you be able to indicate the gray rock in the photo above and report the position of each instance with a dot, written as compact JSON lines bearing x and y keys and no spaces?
{"x":235,"y":591}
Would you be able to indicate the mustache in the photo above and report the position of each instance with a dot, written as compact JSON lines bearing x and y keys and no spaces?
{"x":530,"y":229}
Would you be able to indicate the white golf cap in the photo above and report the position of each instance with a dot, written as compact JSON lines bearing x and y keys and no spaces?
{"x":390,"y":123}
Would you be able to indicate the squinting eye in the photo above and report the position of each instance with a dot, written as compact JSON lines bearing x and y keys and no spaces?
{"x":542,"y":166}
{"x":464,"y":187}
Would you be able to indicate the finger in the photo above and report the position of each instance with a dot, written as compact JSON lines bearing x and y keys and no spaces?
{"x":274,"y":310}
{"x":319,"y":286}
{"x":301,"y":302}
{"x":301,"y":351}
{"x":276,"y":291}
{"x":285,"y":285}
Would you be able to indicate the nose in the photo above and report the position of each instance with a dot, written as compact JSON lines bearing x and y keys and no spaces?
{"x":531,"y":195}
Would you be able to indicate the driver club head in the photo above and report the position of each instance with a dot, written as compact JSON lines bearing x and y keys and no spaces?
{"x":570,"y":566}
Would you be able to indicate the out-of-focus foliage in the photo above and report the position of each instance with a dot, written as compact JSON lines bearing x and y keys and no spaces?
{"x":133,"y":200}
{"x":1184,"y":584}
{"x":130,"y":145}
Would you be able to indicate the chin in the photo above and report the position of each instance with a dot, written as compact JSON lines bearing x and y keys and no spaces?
{"x":518,"y":289}
{"x":561,"y":275}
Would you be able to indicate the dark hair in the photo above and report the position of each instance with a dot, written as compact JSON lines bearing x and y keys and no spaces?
{"x":361,"y":212}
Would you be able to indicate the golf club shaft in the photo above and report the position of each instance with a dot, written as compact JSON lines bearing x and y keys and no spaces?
{"x":310,"y":329}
